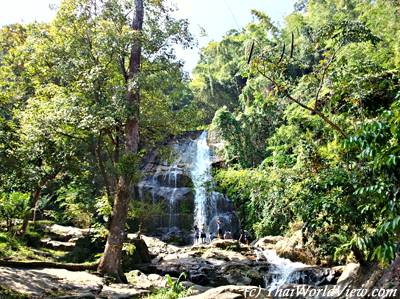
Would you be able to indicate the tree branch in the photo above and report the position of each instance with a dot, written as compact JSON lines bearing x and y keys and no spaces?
{"x":294,"y":100}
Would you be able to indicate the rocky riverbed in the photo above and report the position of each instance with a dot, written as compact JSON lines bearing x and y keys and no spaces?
{"x":221,"y":269}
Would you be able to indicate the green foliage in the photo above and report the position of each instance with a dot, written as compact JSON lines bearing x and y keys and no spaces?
{"x":10,"y":294}
{"x":143,"y":212}
{"x":76,"y":202}
{"x":128,"y":165}
{"x":15,"y":248}
{"x":13,"y":206}
{"x":32,"y":239}
{"x":174,"y":289}
{"x":316,"y":138}
{"x":129,"y":249}
{"x":64,"y":105}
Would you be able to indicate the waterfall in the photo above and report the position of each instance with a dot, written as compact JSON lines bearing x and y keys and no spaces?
{"x":182,"y":183}
{"x":209,"y":205}
{"x":201,"y":176}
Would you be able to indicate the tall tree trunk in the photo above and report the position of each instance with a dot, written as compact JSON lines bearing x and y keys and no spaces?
{"x":33,"y":206}
{"x":102,"y":168}
{"x":110,"y":262}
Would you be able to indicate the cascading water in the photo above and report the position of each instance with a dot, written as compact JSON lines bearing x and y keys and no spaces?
{"x":209,"y":205}
{"x":182,"y":185}
{"x":282,"y":271}
{"x":201,"y":175}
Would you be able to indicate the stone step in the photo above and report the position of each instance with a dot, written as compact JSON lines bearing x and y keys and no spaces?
{"x":57,"y":245}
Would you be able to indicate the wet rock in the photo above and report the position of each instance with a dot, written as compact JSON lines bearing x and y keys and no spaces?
{"x":177,"y":237}
{"x":229,"y":219}
{"x":200,"y":279}
{"x":177,"y":179}
{"x":168,"y":181}
{"x":315,"y":275}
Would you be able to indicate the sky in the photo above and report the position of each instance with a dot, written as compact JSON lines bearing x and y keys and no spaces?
{"x":215,"y":16}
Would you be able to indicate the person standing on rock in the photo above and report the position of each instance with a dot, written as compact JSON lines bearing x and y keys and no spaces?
{"x":219,"y":229}
{"x":244,"y":237}
{"x":203,"y":234}
{"x":196,"y":235}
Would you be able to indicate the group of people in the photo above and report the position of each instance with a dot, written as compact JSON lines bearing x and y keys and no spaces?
{"x":201,"y":236}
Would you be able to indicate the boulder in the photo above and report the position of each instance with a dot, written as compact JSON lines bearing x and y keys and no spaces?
{"x":228,"y":244}
{"x":156,"y":246}
{"x":350,"y":273}
{"x":296,"y":255}
{"x":291,"y":248}
{"x":143,"y":281}
{"x":65,"y":233}
{"x":268,"y":242}
{"x":140,"y":255}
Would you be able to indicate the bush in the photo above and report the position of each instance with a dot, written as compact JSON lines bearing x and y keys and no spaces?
{"x":32,"y":239}
{"x":13,"y":206}
{"x":174,"y":289}
{"x":10,"y":294}
{"x":9,"y":244}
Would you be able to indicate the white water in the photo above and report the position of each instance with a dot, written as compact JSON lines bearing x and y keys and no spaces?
{"x":201,"y":175}
{"x":282,"y":271}
{"x":192,"y":158}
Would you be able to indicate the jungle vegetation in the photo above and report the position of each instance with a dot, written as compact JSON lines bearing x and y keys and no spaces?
{"x":309,"y":114}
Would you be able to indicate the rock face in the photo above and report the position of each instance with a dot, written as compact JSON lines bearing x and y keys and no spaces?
{"x":171,"y":181}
